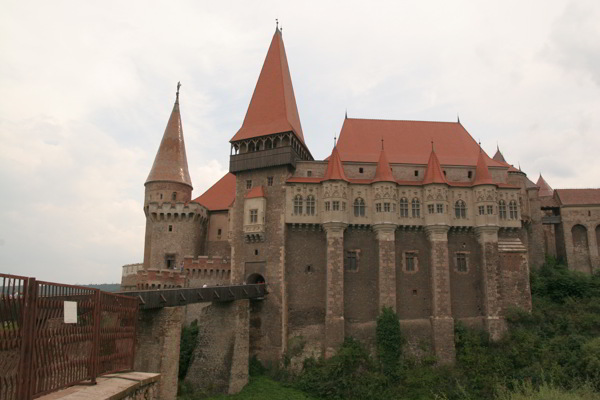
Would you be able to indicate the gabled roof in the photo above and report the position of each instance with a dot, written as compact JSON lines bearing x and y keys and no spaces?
{"x":335,"y":170}
{"x":434,"y":173}
{"x":220,"y":195}
{"x":408,"y":142}
{"x":482,"y":174}
{"x":545,"y":189}
{"x":498,"y":156}
{"x":170,"y":163}
{"x":273,"y":107}
{"x":256,"y":191}
{"x":573,"y":197}
{"x":383,"y":173}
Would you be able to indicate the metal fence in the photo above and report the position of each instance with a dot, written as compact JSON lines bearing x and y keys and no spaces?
{"x":40,"y":352}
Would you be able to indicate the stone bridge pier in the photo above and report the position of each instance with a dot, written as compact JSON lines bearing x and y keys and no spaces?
{"x":220,"y":359}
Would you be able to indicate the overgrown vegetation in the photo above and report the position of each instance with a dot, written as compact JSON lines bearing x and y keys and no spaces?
{"x":551,"y":353}
{"x":189,"y":335}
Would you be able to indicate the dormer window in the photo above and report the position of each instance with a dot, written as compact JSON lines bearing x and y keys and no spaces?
{"x":361,"y":170}
{"x":470,"y":174}
{"x":416,"y":172}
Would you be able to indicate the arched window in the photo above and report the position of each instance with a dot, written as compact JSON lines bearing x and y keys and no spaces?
{"x":359,"y":207}
{"x":310,"y":205}
{"x":298,"y":205}
{"x":404,"y":207}
{"x":502,"y":209}
{"x":512,"y":209}
{"x":416,"y":208}
{"x":460,"y":209}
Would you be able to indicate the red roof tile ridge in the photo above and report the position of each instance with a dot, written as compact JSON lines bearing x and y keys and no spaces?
{"x":433,"y":173}
{"x":403,"y":120}
{"x":482,"y":174}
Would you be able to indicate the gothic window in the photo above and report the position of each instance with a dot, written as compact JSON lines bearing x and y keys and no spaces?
{"x":386,"y":207}
{"x":439,"y":208}
{"x":461,"y":262}
{"x":336,"y":205}
{"x":269,"y":181}
{"x":378,"y":207}
{"x":416,"y":208}
{"x":359,"y":207}
{"x":327,"y":206}
{"x":249,"y":184}
{"x":490,"y":209}
{"x":310,"y":205}
{"x":298,"y":205}
{"x":502,"y":209}
{"x":253,"y":216}
{"x":430,"y":208}
{"x":512,"y":209}
{"x":351,"y":260}
{"x":404,"y":207}
{"x":460,"y":209}
{"x":481,"y":210}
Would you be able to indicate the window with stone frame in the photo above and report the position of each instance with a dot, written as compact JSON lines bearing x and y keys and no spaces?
{"x":343,"y":206}
{"x":512,"y":210}
{"x":461,"y":262}
{"x":430,"y":208}
{"x":489,"y":209}
{"x":460,"y":209}
{"x":378,"y":207}
{"x":254,"y":216}
{"x":310,"y":205}
{"x":386,"y":207}
{"x":416,"y":208}
{"x":439,"y":208}
{"x":249,"y":184}
{"x":298,"y":205}
{"x":359,"y":207}
{"x":335,"y":205}
{"x":170,"y":261}
{"x":269,"y":181}
{"x":411,"y":261}
{"x":351,"y":260}
{"x":502,"y":209}
{"x":404,"y":207}
{"x":173,"y":196}
{"x":481,"y":210}
{"x":327,"y":206}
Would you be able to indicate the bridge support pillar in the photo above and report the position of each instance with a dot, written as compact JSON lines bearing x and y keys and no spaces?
{"x":157,"y":348}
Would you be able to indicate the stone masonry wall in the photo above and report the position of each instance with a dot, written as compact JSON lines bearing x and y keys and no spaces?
{"x":207,"y":270}
{"x":465,"y":286}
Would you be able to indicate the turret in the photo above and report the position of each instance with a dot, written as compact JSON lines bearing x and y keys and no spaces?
{"x":485,"y":194}
{"x":335,"y":191}
{"x":435,"y":192}
{"x":385,"y":196}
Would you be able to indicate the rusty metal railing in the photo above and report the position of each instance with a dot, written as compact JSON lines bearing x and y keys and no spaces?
{"x":40,"y":353}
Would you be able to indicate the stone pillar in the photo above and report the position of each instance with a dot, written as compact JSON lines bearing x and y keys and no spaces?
{"x":334,"y":308}
{"x":593,"y":248}
{"x":386,"y":243}
{"x":157,"y":347}
{"x":490,"y":259}
{"x":442,"y":323}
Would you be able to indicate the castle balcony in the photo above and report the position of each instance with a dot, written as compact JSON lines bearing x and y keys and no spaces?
{"x":176,"y":211}
{"x":551,"y":220}
{"x":254,"y":233}
{"x":334,"y":216}
{"x":385,"y":217}
{"x":264,"y":158}
{"x":486,"y":220}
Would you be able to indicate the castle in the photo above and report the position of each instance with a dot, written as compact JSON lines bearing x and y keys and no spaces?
{"x":412,"y":215}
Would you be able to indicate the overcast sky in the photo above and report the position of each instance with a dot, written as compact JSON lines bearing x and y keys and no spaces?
{"x":86,"y":89}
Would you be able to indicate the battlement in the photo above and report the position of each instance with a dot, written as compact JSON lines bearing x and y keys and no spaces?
{"x":160,"y":279}
{"x":207,"y":270}
{"x":176,"y":211}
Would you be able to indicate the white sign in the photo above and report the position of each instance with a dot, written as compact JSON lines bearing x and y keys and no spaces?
{"x":70,"y":312}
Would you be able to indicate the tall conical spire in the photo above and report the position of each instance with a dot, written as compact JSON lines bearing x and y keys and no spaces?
{"x":434,"y":173}
{"x":273,"y":107}
{"x":335,"y":170}
{"x":482,"y":174}
{"x":545,"y":189}
{"x":383,"y":173}
{"x":170,"y":163}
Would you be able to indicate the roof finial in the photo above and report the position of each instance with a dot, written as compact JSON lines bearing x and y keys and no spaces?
{"x":276,"y":24}
{"x":457,"y":118}
{"x":346,"y":117}
{"x":334,"y":140}
{"x":382,"y":143}
{"x":479,"y":146}
{"x":177,"y":93}
{"x":432,"y":147}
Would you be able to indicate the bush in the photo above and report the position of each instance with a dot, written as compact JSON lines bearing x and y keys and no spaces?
{"x":189,"y":335}
{"x":389,"y":343}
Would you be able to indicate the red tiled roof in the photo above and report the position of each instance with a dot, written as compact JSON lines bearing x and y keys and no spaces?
{"x":545,"y":189}
{"x":408,"y":142}
{"x":578,"y":196}
{"x":170,"y":163}
{"x":273,"y":107}
{"x":256,"y":191}
{"x":335,"y":171}
{"x":434,"y":173}
{"x":220,"y":195}
{"x":482,"y":174}
{"x":383,"y":173}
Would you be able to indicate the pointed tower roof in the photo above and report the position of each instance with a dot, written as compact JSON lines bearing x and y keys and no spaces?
{"x":482,"y":174}
{"x":498,"y":156}
{"x":170,"y":163}
{"x":545,"y":189}
{"x":335,"y":171}
{"x":434,"y":173}
{"x":383,"y":173}
{"x":273,"y":107}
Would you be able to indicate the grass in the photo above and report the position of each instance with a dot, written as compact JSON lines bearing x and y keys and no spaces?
{"x":260,"y":388}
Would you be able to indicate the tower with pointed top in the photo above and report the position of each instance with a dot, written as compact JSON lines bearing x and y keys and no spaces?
{"x":174,"y":225}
